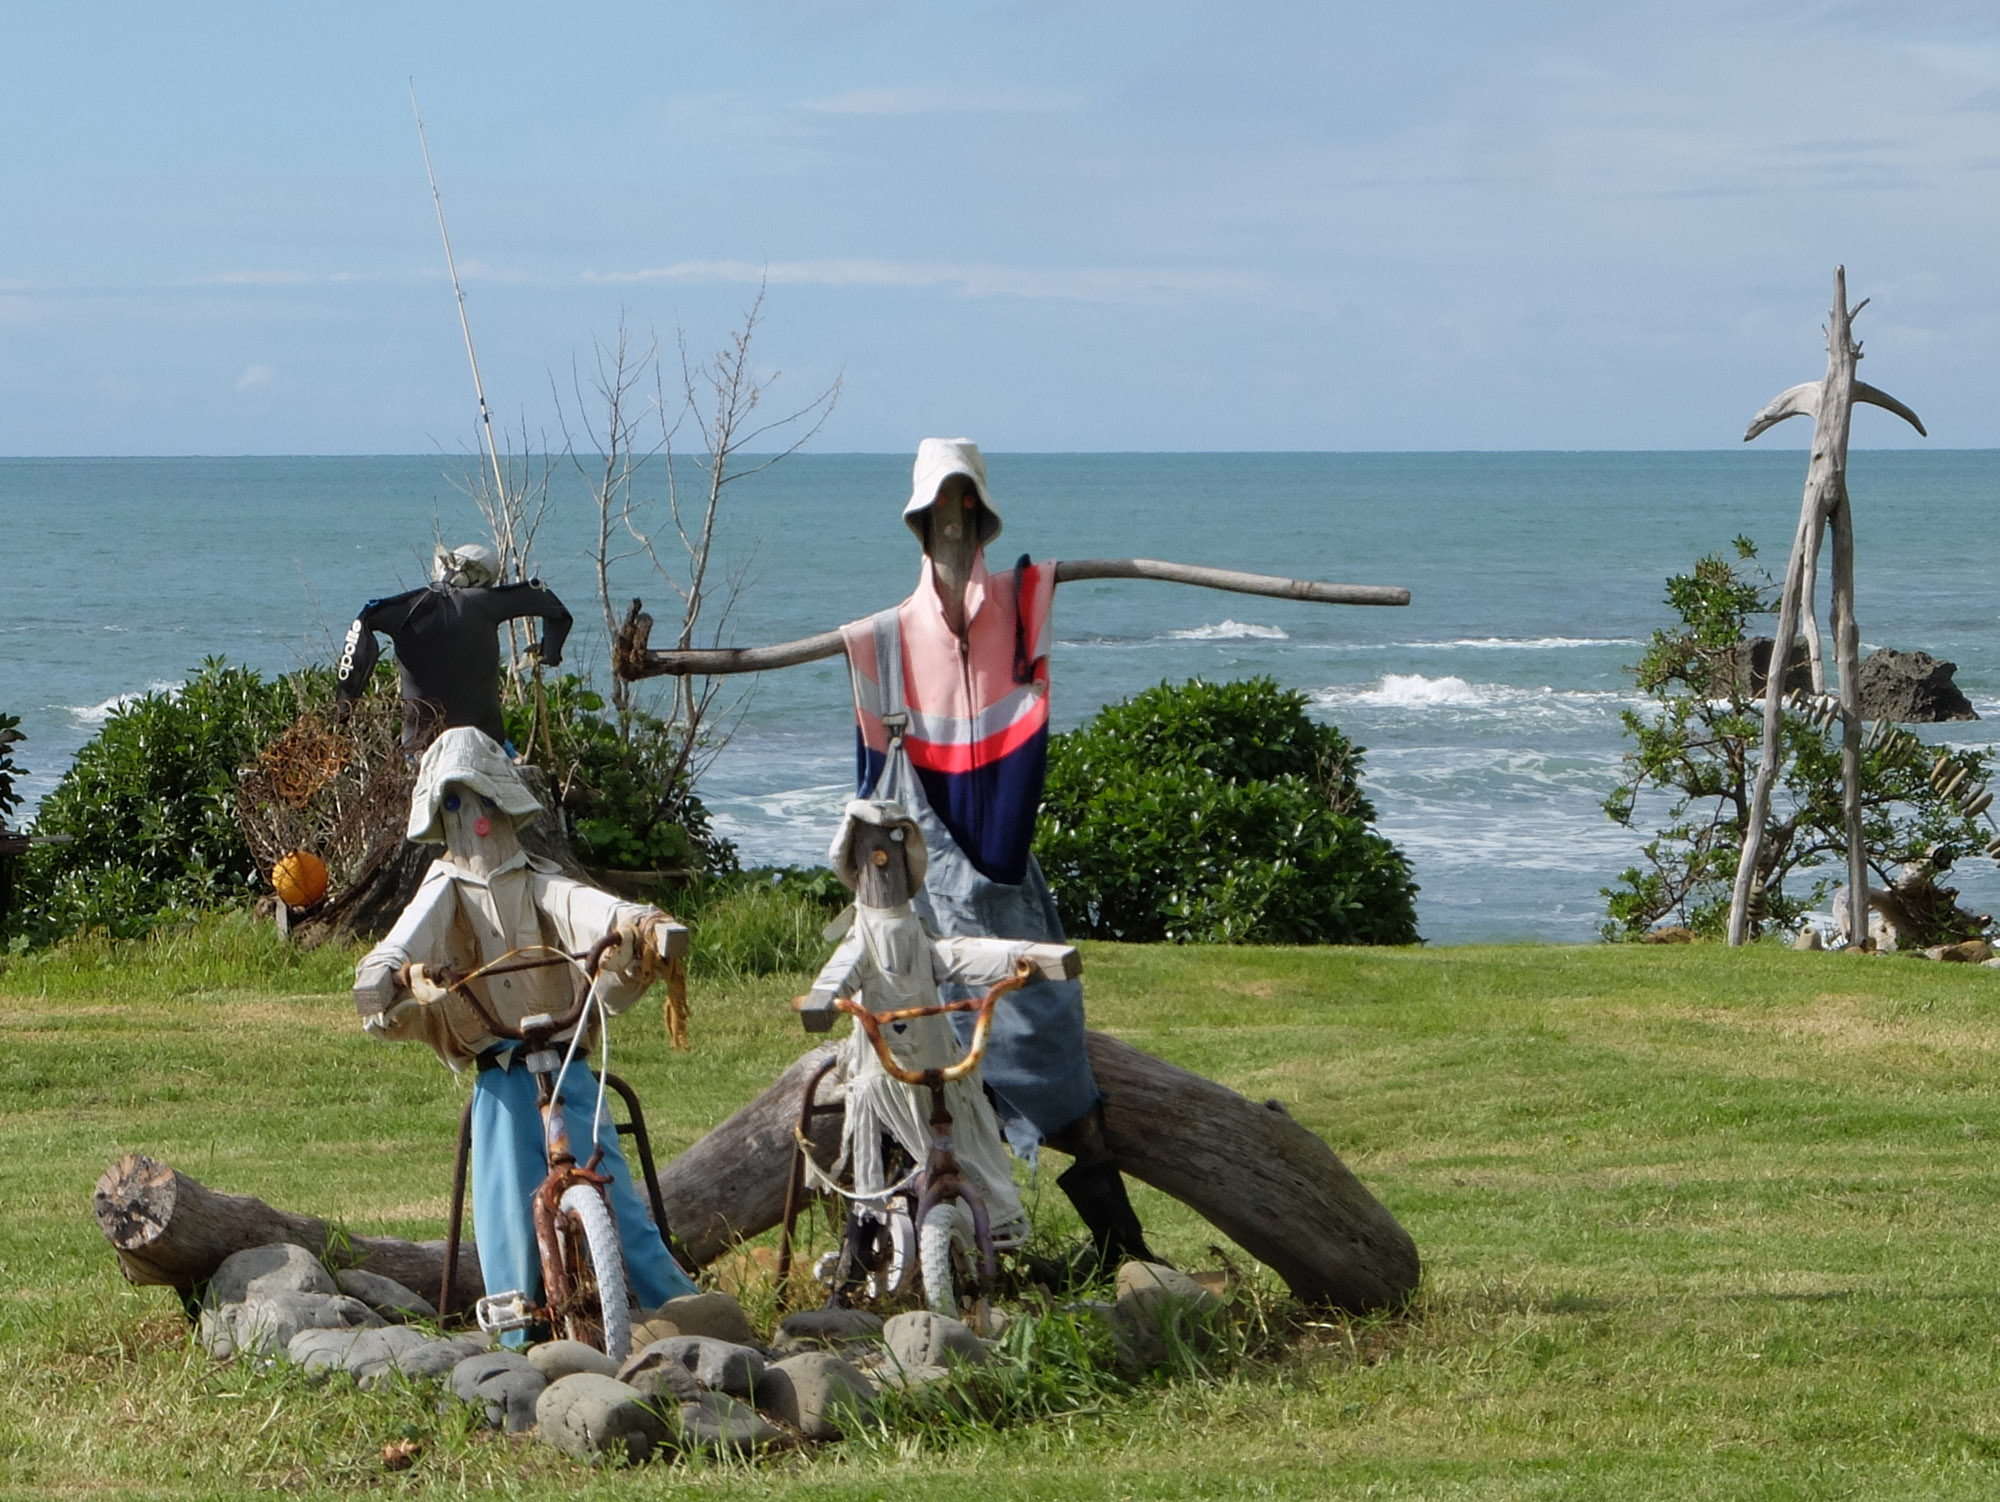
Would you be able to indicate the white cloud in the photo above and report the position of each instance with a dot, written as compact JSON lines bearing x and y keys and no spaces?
{"x":255,"y":377}
{"x":1076,"y":284}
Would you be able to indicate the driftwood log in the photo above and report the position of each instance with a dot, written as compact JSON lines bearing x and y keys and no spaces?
{"x":1269,"y":1184}
{"x":173,"y":1231}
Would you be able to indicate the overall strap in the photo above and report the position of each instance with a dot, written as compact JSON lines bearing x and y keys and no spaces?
{"x":887,"y":625}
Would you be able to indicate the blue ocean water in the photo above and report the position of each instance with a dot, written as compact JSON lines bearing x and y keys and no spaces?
{"x":1489,"y":706}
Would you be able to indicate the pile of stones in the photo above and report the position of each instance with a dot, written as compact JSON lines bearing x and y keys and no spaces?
{"x":698,"y":1378}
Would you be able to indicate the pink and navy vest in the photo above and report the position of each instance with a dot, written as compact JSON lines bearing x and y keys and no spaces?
{"x":975,"y":709}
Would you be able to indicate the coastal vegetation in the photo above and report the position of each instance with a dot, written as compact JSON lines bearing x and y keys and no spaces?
{"x":1695,"y":1222}
{"x":1695,"y":756}
{"x":1218,"y":813}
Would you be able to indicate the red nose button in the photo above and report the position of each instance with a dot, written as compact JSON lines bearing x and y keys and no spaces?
{"x":482,"y":826}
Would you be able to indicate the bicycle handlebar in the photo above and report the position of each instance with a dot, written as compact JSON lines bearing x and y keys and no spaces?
{"x":871,"y":1024}
{"x":590,"y":959}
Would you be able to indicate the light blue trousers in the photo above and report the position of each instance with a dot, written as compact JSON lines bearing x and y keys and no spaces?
{"x":509,"y":1164}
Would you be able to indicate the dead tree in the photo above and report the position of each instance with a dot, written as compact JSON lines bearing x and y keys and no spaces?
{"x":1829,"y":401}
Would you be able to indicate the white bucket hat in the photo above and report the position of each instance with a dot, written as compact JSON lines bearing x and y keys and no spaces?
{"x":468,"y":756}
{"x":938,"y":459}
{"x":468,"y":564}
{"x":884,"y":814}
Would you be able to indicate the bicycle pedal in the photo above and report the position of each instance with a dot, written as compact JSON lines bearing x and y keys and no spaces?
{"x":498,"y":1313}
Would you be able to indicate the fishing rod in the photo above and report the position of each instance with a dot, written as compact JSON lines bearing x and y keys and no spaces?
{"x":451,"y":264}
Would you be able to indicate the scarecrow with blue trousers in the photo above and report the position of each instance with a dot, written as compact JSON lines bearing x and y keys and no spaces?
{"x":482,"y":900}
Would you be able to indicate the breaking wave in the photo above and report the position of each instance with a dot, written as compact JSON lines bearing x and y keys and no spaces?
{"x":97,"y":714}
{"x":1231,"y":631}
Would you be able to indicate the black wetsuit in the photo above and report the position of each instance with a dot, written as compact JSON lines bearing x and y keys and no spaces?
{"x":448,"y":648}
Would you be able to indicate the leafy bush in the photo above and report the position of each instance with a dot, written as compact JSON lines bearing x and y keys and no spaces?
{"x":1218,"y":813}
{"x":149,"y":807}
{"x":1699,"y":750}
{"x":761,"y":922}
{"x":626,"y":793}
{"x":10,"y":732}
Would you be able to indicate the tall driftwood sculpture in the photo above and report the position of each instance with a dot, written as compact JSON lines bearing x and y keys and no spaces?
{"x":1829,"y":401}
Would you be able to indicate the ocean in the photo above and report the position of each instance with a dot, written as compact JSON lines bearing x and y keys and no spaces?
{"x":1489,"y":706}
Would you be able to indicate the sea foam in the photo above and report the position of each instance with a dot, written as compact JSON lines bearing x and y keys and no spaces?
{"x":1231,"y":631}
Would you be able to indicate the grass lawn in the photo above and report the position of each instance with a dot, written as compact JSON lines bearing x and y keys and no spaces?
{"x":1695,"y":1223}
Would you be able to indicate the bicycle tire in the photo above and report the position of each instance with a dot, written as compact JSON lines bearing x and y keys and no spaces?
{"x":945,"y":1229}
{"x":599,"y":1255}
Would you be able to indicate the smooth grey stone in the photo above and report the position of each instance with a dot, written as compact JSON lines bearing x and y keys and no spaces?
{"x":428,"y":1356}
{"x":921,"y":1338}
{"x":921,"y":1386}
{"x":814,"y":1392}
{"x":594,"y":1417}
{"x":321,"y":1350}
{"x":658,"y":1373}
{"x":277,"y":1268}
{"x":556,"y":1359}
{"x":385,"y":1296}
{"x":716,"y":1421}
{"x":266,"y":1324}
{"x":475,"y":1369}
{"x":509,"y":1400}
{"x":715,"y":1315}
{"x":717,"y":1365}
{"x":825,"y":1329}
{"x":1159,"y":1307}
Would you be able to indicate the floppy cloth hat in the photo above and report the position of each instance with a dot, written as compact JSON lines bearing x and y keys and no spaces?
{"x":938,"y":459}
{"x":884,"y":814}
{"x":470,"y":563}
{"x":470,"y":757}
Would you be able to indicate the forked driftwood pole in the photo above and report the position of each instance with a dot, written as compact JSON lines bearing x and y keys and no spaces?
{"x":1269,"y":1184}
{"x":174,"y":1231}
{"x":1829,"y":401}
{"x":632,"y":658}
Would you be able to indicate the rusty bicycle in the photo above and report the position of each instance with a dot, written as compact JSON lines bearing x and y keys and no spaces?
{"x":584,"y":1292}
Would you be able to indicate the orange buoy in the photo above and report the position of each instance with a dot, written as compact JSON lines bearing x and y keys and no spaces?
{"x":300,"y":879}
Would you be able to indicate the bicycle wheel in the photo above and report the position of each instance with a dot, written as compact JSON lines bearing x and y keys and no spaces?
{"x":601,"y":1313}
{"x":945,"y":1239}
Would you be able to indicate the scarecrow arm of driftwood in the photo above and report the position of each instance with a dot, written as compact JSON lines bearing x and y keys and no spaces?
{"x":171,"y":1230}
{"x":1258,"y":1176}
{"x":973,"y":960}
{"x":632,"y":658}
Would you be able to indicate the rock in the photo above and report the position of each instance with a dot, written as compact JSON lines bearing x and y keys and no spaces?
{"x":320,"y":1350}
{"x":377,"y":1359}
{"x":1158,"y":1309}
{"x":556,"y":1359}
{"x":921,"y":1387}
{"x":1748,"y":668}
{"x":267,"y":1322}
{"x":277,"y":1268}
{"x":385,"y":1296}
{"x":1807,"y":939}
{"x":814,"y":1392}
{"x":659,"y":1374}
{"x":595,"y":1417}
{"x":716,"y":1315}
{"x":825,"y":1330}
{"x":715,"y":1365}
{"x":921,"y":1338}
{"x":715,"y":1421}
{"x":1671,"y":933}
{"x":1967,"y":952}
{"x":504,"y":1383}
{"x":646,"y":1331}
{"x":1911,"y":688}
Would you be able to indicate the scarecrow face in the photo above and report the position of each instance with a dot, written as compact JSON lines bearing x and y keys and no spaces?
{"x":478,"y":834}
{"x":951,"y":528}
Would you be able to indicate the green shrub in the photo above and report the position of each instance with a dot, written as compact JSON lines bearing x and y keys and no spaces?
{"x":10,"y":733}
{"x":626,"y":791}
{"x":762,"y":922}
{"x":1218,"y":813}
{"x":149,"y":808}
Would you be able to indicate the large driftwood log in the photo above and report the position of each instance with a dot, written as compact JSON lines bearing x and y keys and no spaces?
{"x":1262,"y":1179}
{"x":171,"y":1230}
{"x":731,"y":1184}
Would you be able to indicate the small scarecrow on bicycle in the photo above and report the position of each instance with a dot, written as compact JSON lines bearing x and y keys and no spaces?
{"x":482,"y":903}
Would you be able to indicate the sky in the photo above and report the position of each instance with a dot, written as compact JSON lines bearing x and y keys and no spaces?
{"x":1047,"y":226}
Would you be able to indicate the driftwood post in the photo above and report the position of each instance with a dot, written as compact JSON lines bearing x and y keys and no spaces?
{"x":1829,"y":401}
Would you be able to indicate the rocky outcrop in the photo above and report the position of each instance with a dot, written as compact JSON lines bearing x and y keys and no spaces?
{"x":1910,"y":688}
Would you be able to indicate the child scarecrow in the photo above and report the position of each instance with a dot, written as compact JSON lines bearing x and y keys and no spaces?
{"x":483,"y":899}
{"x":447,"y":643}
{"x":890,"y":961}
